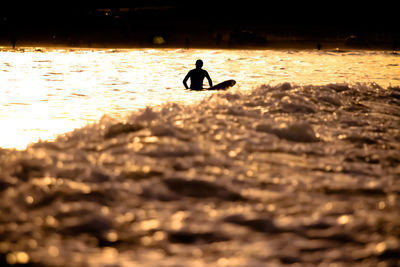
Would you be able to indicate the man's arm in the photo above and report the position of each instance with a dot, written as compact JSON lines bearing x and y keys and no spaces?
{"x":209,"y":79}
{"x":185,"y":80}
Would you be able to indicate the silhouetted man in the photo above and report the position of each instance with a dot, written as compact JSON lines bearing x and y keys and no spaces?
{"x":197,"y":76}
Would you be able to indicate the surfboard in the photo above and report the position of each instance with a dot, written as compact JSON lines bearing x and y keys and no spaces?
{"x":220,"y":86}
{"x":223,"y":86}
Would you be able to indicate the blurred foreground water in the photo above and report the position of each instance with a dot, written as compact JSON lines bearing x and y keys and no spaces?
{"x":285,"y":172}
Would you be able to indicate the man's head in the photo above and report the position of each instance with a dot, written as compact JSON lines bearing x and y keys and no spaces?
{"x":199,"y":64}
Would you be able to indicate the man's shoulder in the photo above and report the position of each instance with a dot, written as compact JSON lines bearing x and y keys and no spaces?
{"x":203,"y":72}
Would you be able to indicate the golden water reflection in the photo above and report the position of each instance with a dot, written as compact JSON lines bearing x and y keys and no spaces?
{"x":45,"y":92}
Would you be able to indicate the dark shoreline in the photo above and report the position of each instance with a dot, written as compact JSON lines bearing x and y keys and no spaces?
{"x":176,"y":35}
{"x":338,"y":45}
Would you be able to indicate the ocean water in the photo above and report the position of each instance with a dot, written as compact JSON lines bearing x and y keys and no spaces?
{"x":46,"y":92}
{"x":297,"y":164}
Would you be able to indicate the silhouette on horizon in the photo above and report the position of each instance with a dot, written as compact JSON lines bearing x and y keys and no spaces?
{"x":13,"y":40}
{"x":197,"y":76}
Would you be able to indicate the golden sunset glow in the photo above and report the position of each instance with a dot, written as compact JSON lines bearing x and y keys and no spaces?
{"x":50,"y":92}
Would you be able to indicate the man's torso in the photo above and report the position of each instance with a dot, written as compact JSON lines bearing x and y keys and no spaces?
{"x":196,"y":78}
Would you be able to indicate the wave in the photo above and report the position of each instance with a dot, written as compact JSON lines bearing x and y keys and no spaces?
{"x":287,"y":117}
{"x":295,"y":159}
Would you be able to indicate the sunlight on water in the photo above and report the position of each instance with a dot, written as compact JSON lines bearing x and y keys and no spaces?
{"x":297,"y":164}
{"x":45,"y":92}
